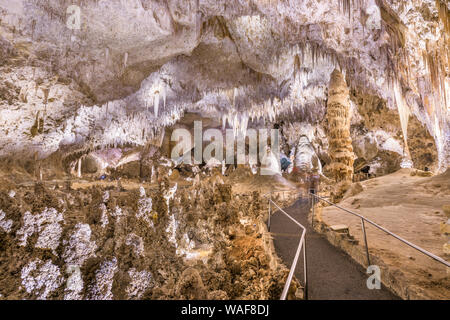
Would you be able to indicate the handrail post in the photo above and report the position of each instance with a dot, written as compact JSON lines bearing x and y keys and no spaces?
{"x":268,"y":223}
{"x":293,"y":267}
{"x":304,"y":268}
{"x":313,"y":202}
{"x":365,"y":241}
{"x":301,"y":244}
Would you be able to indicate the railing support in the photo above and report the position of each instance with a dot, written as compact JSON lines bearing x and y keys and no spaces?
{"x":305,"y":269}
{"x":313,"y":203}
{"x":270,"y":212}
{"x":287,"y":285}
{"x":301,"y":244}
{"x":365,"y":241}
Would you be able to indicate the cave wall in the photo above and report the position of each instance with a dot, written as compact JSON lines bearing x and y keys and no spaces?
{"x":378,"y":139}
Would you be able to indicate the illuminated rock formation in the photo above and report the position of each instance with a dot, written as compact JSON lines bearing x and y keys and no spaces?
{"x":338,"y":116}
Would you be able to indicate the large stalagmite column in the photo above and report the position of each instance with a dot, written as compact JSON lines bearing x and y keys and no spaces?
{"x":338,"y":116}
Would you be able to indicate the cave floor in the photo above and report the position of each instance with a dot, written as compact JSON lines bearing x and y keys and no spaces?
{"x":411,"y":207}
{"x":332,"y":274}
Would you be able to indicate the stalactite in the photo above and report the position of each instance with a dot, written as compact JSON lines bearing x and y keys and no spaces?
{"x":224,"y":122}
{"x":106,"y":55}
{"x":403,"y":111}
{"x":79,"y":168}
{"x":164,"y":94}
{"x":444,"y":15}
{"x":156,"y":103}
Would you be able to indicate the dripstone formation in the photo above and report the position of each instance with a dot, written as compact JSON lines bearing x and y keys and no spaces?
{"x":338,"y":116}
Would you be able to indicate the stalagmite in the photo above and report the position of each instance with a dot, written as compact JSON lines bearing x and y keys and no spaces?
{"x":106,"y":55}
{"x":79,"y":169}
{"x":338,"y":116}
{"x":224,"y":122}
{"x":125,"y":60}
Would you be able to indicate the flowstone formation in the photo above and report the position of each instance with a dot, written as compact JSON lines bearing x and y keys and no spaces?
{"x":339,"y":139}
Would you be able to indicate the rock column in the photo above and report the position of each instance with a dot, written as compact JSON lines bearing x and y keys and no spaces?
{"x":340,"y":142}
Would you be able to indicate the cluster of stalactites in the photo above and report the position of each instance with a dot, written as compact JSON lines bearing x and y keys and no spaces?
{"x":268,"y":104}
{"x":432,"y":87}
{"x":155,"y":96}
{"x":268,"y":101}
{"x":347,"y":6}
{"x":112,"y":126}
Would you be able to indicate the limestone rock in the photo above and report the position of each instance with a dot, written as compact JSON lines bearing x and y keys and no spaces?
{"x":175,"y":175}
{"x":354,"y":189}
{"x":421,"y":173}
{"x":338,"y":116}
{"x":218,"y":295}
{"x":190,"y":285}
{"x":340,"y":228}
{"x":447,"y":248}
{"x":366,"y":147}
{"x":446,"y":209}
{"x":339,"y":190}
{"x":89,"y":165}
{"x":445,"y":227}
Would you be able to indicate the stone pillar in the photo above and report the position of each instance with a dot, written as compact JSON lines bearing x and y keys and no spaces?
{"x":340,"y":142}
{"x":79,"y":168}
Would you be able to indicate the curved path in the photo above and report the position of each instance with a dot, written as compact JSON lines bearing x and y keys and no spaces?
{"x":332,"y":274}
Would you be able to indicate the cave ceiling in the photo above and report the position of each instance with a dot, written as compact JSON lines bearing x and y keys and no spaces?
{"x":134,"y":67}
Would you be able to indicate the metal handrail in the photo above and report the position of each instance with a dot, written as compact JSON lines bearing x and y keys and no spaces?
{"x":427,"y":253}
{"x":302,"y":244}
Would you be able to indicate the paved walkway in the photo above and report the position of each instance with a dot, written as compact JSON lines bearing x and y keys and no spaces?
{"x":332,"y":274}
